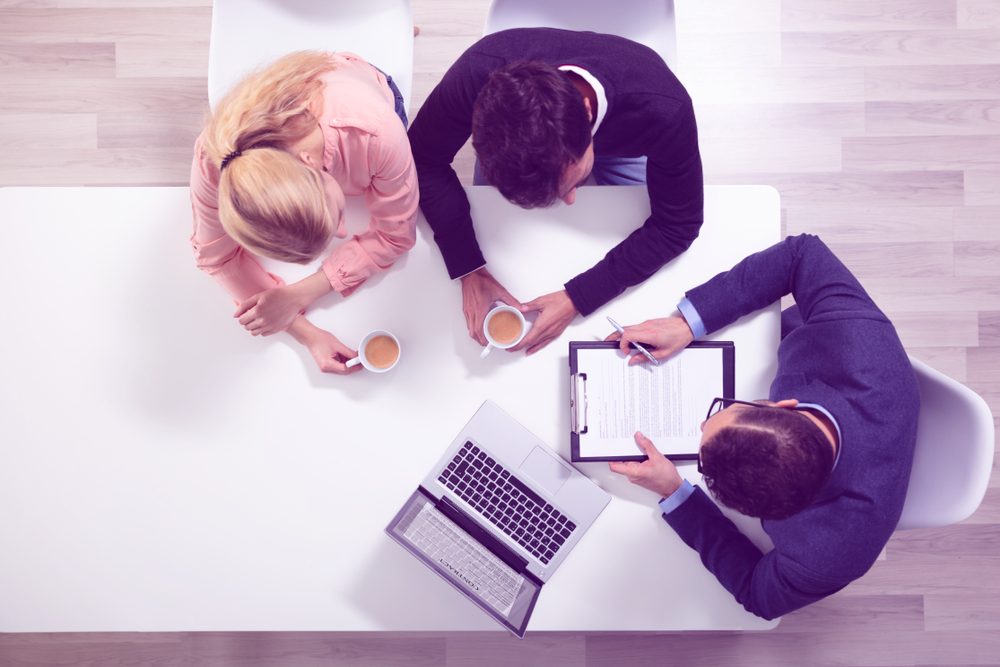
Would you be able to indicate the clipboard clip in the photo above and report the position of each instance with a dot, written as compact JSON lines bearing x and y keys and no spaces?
{"x":578,"y":402}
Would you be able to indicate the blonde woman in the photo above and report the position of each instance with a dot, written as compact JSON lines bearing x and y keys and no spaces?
{"x":270,"y":173}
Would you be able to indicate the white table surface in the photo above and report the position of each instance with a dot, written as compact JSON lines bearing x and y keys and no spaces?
{"x":161,"y":470}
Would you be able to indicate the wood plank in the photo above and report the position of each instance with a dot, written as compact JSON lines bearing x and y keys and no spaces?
{"x":872,"y":647}
{"x":148,"y":129}
{"x":316,"y":648}
{"x":157,"y":59}
{"x":984,"y":364}
{"x":968,"y":611}
{"x":945,"y":543}
{"x":982,"y":187}
{"x":537,"y":648}
{"x":42,"y":26}
{"x":857,"y":613}
{"x":740,"y":16}
{"x":989,"y":328}
{"x":447,"y":18}
{"x":56,"y":61}
{"x":892,"y":47}
{"x":738,"y":119}
{"x":978,"y":14}
{"x":913,"y":574}
{"x":767,"y":85}
{"x":828,"y":15}
{"x":896,"y":259}
{"x":112,"y":166}
{"x":946,"y":295}
{"x":101,"y":4}
{"x":904,"y":153}
{"x":48,"y":131}
{"x":932,"y":82}
{"x":721,"y":49}
{"x":164,"y":649}
{"x":912,"y":188}
{"x":977,"y":258}
{"x":114,"y":95}
{"x":848,"y":223}
{"x":952,"y":361}
{"x":977,"y":223}
{"x":933,"y":117}
{"x":929,"y":329}
{"x":764,"y":154}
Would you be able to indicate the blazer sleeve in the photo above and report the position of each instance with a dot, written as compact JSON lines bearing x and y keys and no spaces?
{"x":802,"y":266}
{"x":676,"y":198}
{"x":439,"y":131}
{"x":767,"y":585}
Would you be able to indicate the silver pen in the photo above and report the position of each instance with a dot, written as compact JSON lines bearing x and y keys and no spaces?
{"x":621,"y":330}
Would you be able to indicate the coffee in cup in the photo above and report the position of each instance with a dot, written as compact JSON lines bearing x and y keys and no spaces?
{"x":379,"y":352}
{"x":504,"y":327}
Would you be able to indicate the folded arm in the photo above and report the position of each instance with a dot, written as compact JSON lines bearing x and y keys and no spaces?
{"x":801,"y":266}
{"x":439,"y":131}
{"x":768,"y":585}
{"x":676,"y":197}
{"x":392,"y":202}
{"x":215,"y":252}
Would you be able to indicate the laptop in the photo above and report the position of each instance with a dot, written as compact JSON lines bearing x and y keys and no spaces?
{"x":497,"y":515}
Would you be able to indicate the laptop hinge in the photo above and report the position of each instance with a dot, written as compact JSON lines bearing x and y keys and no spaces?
{"x":499,"y":549}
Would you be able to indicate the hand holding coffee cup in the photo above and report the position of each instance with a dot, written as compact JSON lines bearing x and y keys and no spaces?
{"x":379,"y":352}
{"x":504,"y":327}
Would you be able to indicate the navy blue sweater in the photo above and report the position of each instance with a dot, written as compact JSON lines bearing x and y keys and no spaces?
{"x":648,"y":114}
{"x":845,"y":356}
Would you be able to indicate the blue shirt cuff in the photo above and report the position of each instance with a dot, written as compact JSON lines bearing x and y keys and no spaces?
{"x":677,"y":498}
{"x":690,"y":314}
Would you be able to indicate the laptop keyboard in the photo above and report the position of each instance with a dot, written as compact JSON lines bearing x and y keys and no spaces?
{"x":445,"y":543}
{"x":507,"y":503}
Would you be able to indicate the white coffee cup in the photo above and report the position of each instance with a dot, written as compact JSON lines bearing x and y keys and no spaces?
{"x":374,"y":353}
{"x":502,"y":343}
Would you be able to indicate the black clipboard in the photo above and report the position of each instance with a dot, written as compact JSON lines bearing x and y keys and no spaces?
{"x":578,"y":396}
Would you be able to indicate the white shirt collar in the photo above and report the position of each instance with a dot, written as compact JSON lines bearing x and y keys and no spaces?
{"x":602,"y":100}
{"x":840,"y":438}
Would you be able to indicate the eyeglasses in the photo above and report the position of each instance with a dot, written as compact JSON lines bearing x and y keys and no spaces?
{"x":719,"y":404}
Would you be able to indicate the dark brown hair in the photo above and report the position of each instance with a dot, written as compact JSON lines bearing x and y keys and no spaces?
{"x":769,"y":463}
{"x":528,"y":124}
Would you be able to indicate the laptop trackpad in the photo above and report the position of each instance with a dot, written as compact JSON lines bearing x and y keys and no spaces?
{"x":544,"y":469}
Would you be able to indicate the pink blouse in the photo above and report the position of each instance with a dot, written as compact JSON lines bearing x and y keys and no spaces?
{"x":367,"y":152}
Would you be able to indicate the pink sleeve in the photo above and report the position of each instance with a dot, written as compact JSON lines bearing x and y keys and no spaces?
{"x":215,"y":252}
{"x":392,"y":200}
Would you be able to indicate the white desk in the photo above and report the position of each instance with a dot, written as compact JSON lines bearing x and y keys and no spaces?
{"x":160,"y":469}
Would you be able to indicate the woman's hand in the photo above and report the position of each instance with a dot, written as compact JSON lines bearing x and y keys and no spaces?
{"x":330,"y":354}
{"x":274,"y":309}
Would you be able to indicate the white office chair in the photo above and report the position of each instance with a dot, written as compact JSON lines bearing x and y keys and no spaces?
{"x":954,"y":452}
{"x":249,"y":33}
{"x":649,"y":22}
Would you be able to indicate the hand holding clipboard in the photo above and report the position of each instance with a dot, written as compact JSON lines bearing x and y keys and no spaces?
{"x":612,"y":396}
{"x":667,"y":335}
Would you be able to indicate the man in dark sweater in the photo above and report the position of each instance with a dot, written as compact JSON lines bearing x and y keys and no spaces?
{"x":824,"y":463}
{"x":545,"y":108}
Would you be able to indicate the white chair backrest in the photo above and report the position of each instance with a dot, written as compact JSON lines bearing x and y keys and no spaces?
{"x":649,"y":22}
{"x":954,"y":452}
{"x":249,"y":33}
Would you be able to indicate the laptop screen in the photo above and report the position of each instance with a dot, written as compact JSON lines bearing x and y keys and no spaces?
{"x":445,"y":547}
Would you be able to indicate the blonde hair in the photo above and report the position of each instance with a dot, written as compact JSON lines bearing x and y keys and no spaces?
{"x":270,"y":201}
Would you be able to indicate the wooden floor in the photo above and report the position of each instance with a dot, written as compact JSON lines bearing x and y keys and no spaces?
{"x":879,"y":122}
